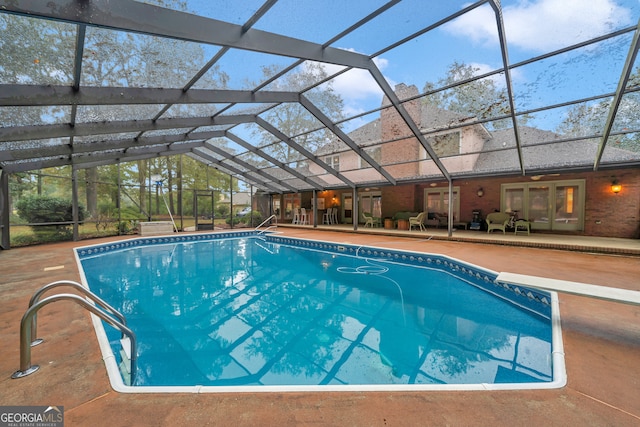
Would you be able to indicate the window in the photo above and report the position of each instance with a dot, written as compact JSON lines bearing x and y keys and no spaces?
{"x":333,"y":162}
{"x":375,"y":153}
{"x":370,"y":202}
{"x":549,"y":205}
{"x":291,"y":202}
{"x":447,"y":144}
{"x":436,"y":200}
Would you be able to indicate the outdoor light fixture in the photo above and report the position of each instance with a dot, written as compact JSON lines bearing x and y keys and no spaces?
{"x":480,"y":192}
{"x":616,"y":186}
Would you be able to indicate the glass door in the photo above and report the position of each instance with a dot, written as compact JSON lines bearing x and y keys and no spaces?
{"x":514,"y":201}
{"x":276,"y":207}
{"x":567,"y":213}
{"x":370,"y":202}
{"x":550,"y":205}
{"x":437,"y":202}
{"x":347,"y":208}
{"x":291,"y":203}
{"x":539,"y":212}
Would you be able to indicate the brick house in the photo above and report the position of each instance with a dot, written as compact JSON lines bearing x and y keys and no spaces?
{"x":572,"y":201}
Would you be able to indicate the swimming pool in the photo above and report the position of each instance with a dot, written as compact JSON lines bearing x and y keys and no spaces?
{"x":240,"y":312}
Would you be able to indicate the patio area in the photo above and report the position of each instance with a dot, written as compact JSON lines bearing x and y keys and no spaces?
{"x":601,"y":344}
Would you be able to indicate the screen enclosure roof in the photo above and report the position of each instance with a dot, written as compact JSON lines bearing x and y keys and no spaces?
{"x":298,"y":95}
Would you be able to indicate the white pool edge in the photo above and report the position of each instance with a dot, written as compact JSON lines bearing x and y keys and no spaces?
{"x":117,"y":383}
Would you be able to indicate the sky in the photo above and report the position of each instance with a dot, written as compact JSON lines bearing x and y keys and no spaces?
{"x":532,"y":28}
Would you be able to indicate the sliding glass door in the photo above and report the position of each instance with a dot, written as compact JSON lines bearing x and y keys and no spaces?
{"x":436,"y":201}
{"x":370,"y":202}
{"x":549,"y":205}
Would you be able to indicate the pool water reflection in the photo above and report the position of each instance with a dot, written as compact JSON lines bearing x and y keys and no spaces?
{"x":246,"y":311}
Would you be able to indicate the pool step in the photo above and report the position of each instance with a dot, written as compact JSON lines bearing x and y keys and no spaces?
{"x":125,"y":357}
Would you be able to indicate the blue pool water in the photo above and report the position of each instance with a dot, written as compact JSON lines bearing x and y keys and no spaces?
{"x":254,"y":311}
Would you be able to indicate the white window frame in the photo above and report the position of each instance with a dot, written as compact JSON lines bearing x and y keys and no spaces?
{"x":443,"y":193}
{"x":333,"y":162}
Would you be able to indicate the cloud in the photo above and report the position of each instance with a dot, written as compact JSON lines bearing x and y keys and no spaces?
{"x":542,"y":25}
{"x":358,"y":89}
{"x":357,"y":84}
{"x":498,"y":79}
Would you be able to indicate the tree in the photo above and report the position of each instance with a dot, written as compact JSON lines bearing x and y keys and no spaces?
{"x":482,"y":98}
{"x":37,"y":51}
{"x":293,"y":119}
{"x":589,"y":119}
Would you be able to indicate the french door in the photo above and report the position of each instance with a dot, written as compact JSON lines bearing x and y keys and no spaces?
{"x":549,"y":205}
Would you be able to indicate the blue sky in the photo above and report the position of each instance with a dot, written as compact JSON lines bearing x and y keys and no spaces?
{"x":532,"y":28}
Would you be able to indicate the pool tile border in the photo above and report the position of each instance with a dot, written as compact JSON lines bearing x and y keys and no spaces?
{"x":89,"y":251}
{"x":531,"y":299}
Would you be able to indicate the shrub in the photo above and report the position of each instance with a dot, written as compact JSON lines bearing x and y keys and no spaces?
{"x":42,"y":209}
{"x":222,"y":211}
{"x":246,"y":219}
{"x":45,"y":210}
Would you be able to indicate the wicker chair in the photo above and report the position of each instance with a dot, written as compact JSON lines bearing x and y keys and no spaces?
{"x":497,"y":221}
{"x":417,"y":221}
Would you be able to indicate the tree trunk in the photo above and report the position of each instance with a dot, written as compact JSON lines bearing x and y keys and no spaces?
{"x":172,"y":208}
{"x":91,"y":190}
{"x":142,"y":182}
{"x":179,"y":179}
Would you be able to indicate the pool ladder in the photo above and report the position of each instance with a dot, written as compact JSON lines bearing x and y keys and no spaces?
{"x":91,"y":302}
{"x":270,"y":227}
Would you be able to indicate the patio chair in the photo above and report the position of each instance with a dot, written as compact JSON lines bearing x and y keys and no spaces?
{"x":334,"y":216}
{"x":304,"y":218}
{"x":370,"y":220}
{"x":417,"y":221}
{"x":327,"y":218}
{"x":497,"y":221}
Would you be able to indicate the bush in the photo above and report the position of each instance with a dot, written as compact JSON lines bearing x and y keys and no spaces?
{"x":42,"y":209}
{"x":222,"y":211}
{"x":246,"y":219}
{"x":256,"y":216}
{"x":45,"y":210}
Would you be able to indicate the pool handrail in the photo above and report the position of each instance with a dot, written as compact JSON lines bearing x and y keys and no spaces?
{"x":77,"y":286}
{"x":274,"y":217}
{"x":26,"y":368}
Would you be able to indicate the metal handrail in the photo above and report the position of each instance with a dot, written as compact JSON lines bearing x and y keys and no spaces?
{"x":264,"y":222}
{"x":77,"y":286}
{"x":26,"y":332}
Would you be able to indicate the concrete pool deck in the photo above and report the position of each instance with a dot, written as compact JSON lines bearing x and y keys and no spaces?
{"x":601,"y":344}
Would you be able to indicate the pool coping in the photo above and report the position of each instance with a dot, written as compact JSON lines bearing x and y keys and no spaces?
{"x":117,"y":383}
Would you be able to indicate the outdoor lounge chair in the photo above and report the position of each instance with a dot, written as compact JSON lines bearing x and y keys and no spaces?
{"x":497,"y":221}
{"x":417,"y":221}
{"x":370,"y":220}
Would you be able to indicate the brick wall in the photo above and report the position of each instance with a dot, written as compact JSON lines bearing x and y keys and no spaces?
{"x":394,"y":127}
{"x":606,"y":214}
